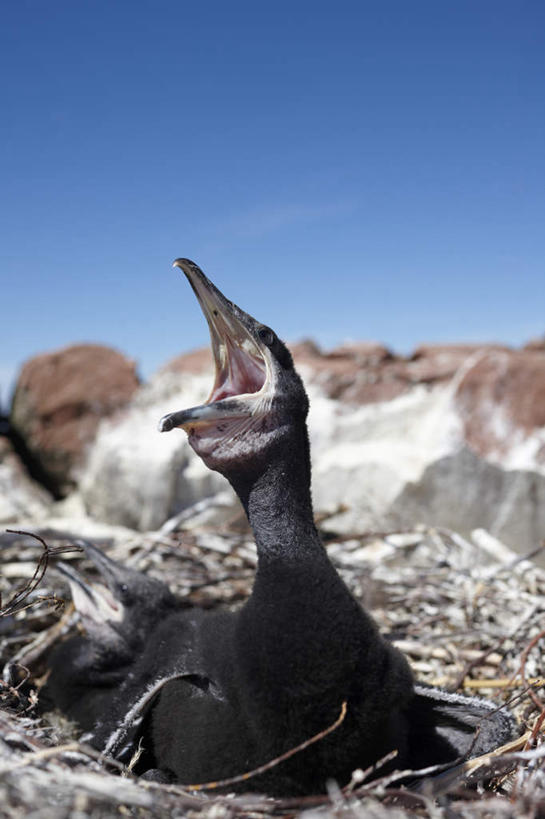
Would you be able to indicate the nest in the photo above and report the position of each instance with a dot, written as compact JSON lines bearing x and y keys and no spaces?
{"x":468,"y":615}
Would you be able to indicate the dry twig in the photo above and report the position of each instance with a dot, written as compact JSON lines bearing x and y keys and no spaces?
{"x":15,"y":603}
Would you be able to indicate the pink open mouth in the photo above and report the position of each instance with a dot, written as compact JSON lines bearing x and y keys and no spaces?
{"x":238,"y":372}
{"x":242,"y":368}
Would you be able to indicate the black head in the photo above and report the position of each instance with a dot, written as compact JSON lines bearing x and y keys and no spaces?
{"x":122,"y":610}
{"x":257,"y":397}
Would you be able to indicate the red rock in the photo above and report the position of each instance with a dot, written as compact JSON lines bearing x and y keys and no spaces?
{"x":365,"y":353}
{"x":502,"y":397}
{"x":359,"y":372}
{"x":368,"y":372}
{"x":59,"y":400}
{"x":431,"y":363}
{"x":535,"y":344}
{"x":456,"y":350}
{"x":306,"y":348}
{"x":193,"y":363}
{"x":352,"y":372}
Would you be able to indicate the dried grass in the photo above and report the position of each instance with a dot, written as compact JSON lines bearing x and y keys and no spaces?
{"x":469,"y":615}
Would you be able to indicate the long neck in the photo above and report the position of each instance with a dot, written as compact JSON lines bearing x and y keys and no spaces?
{"x":300,"y":630}
{"x":278,"y":503}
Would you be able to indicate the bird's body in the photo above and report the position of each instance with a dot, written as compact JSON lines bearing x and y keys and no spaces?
{"x":233,"y":690}
{"x":278,"y":670}
{"x":215,"y":694}
{"x":272,"y":675}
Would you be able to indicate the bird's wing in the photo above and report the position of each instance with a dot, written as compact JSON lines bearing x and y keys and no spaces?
{"x":444,"y":727}
{"x":122,"y":739}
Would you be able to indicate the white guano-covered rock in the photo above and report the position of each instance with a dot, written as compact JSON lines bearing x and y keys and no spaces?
{"x":138,"y":477}
{"x":438,"y":445}
{"x":21,"y":498}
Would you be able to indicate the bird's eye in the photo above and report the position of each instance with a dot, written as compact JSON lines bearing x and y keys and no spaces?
{"x":124,"y":588}
{"x":266,"y":335}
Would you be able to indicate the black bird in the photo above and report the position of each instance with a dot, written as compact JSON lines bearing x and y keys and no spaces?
{"x":225,"y":692}
{"x":85,"y":671}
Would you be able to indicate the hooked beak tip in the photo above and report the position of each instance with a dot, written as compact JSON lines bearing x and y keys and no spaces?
{"x":165,"y":424}
{"x":184,"y":265}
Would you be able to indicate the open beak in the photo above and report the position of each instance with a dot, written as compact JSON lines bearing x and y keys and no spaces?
{"x":96,"y":601}
{"x":112,"y":572}
{"x":242,"y":367}
{"x":93,"y":601}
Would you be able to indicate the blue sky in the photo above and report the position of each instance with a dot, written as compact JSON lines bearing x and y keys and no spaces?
{"x":343,"y":170}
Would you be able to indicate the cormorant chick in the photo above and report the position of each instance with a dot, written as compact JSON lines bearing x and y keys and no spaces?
{"x":118,"y":616}
{"x":213,"y":695}
{"x":235,"y":690}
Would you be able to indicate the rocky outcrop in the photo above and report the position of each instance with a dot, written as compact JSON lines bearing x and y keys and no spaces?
{"x":361,"y":372}
{"x":509,"y":503}
{"x":195,"y":362}
{"x":138,"y":477}
{"x":535,"y":344}
{"x":59,"y":400}
{"x":465,"y":444}
{"x":396,"y":441}
{"x":501,"y":401}
{"x":453,"y":435}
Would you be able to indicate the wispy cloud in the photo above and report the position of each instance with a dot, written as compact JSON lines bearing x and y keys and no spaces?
{"x":261,"y":221}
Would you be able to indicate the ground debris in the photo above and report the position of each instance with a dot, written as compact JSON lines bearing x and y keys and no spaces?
{"x":469,"y":614}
